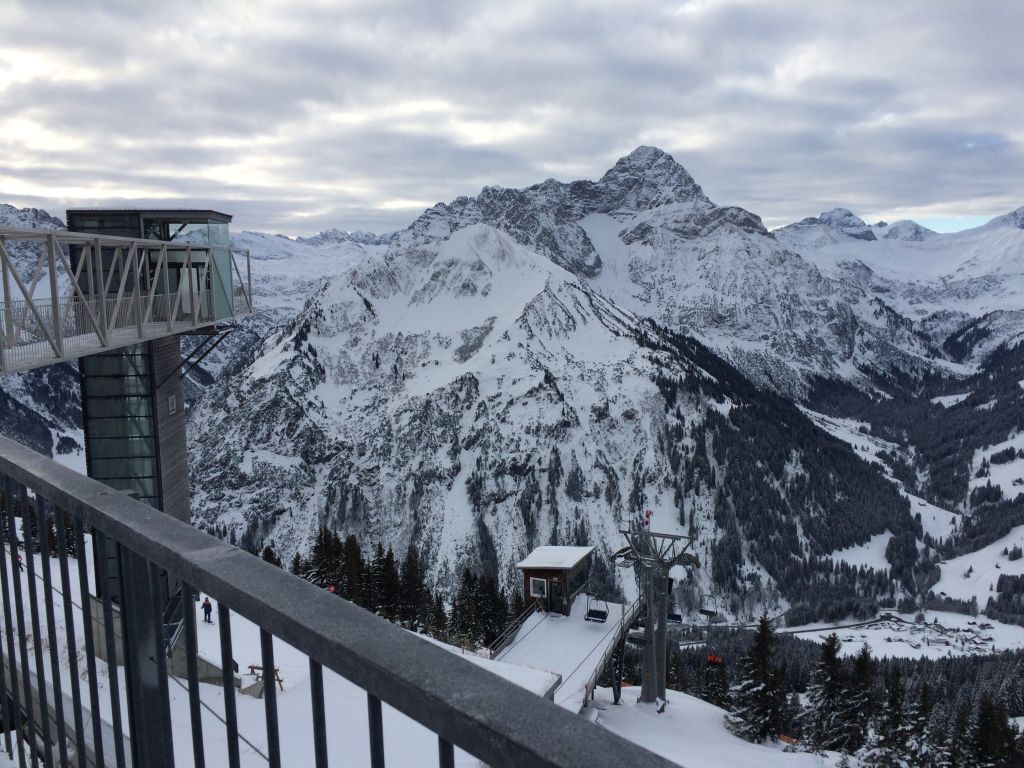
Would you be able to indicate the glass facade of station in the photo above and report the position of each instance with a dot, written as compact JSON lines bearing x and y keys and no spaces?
{"x":120,"y":422}
{"x":207,"y":230}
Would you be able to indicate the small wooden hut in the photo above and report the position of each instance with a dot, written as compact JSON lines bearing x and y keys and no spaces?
{"x":554,"y":576}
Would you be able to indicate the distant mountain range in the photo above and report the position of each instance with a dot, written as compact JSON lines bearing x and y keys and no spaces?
{"x":535,"y":365}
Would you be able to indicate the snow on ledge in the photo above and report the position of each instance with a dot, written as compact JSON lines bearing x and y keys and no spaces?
{"x":554,"y":557}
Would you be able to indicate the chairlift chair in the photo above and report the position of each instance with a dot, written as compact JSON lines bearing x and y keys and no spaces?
{"x":708,"y":606}
{"x":674,"y":614}
{"x":595,"y":613}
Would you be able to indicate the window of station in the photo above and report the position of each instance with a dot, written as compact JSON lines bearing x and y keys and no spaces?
{"x":538,"y":587}
{"x":579,"y":580}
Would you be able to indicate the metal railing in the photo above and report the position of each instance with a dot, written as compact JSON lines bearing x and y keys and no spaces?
{"x":629,"y":615}
{"x":502,"y":641}
{"x":64,"y":318}
{"x":467,"y":707}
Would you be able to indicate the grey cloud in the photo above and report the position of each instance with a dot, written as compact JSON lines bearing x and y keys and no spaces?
{"x":783,"y":108}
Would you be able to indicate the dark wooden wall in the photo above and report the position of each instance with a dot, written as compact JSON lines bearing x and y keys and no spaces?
{"x":165,"y":356}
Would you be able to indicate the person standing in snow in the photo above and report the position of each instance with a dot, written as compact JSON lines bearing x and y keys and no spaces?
{"x":207,"y":610}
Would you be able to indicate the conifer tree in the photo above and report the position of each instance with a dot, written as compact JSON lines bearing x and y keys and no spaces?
{"x":992,"y":737}
{"x":957,"y":750}
{"x":491,"y":611}
{"x":919,"y":747}
{"x":462,"y":622}
{"x":271,"y":556}
{"x":354,"y":571}
{"x":716,"y":686}
{"x":887,"y":745}
{"x":372,"y":572}
{"x":324,"y":565}
{"x":824,"y":718}
{"x":758,"y":698}
{"x":438,"y":620}
{"x":414,"y":598}
{"x":389,"y":588}
{"x":860,"y":694}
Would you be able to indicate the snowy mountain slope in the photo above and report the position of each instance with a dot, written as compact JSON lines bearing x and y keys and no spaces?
{"x":945,"y":283}
{"x":285,"y":272}
{"x":646,"y":236}
{"x":474,"y":397}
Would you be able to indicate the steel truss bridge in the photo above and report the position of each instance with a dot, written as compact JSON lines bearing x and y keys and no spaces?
{"x":111,"y":292}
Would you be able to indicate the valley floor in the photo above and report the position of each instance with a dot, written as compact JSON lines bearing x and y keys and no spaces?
{"x":941,"y":634}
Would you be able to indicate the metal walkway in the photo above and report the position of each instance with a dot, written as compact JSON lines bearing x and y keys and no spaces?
{"x":52,"y":311}
{"x":571,"y":647}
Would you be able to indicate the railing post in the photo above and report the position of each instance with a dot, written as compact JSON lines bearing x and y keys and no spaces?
{"x":149,"y":714}
{"x":248,"y":278}
{"x":101,"y":290}
{"x":55,"y":314}
{"x":137,"y":302}
{"x":193,"y":296}
{"x":8,"y":334}
{"x":167,"y":285}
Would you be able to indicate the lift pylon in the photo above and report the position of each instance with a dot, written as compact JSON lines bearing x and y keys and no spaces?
{"x":652,"y":555}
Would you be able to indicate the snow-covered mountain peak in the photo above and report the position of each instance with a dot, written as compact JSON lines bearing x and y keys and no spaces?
{"x":841,"y":218}
{"x":488,"y":271}
{"x":335,"y":236}
{"x":28,"y":218}
{"x":648,"y":178}
{"x":1014,"y":219}
{"x":905,"y":229}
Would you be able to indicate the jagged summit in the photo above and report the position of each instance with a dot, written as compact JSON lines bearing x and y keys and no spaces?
{"x":647,"y":178}
{"x":335,"y":235}
{"x":841,"y":217}
{"x":28,"y":218}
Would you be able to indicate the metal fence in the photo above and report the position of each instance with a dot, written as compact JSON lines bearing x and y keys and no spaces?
{"x":466,"y":706}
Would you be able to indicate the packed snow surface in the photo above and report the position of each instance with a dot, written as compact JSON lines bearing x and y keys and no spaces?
{"x":1008,"y":475}
{"x":568,"y":646}
{"x":975,"y":574}
{"x":947,"y":401}
{"x":869,"y":555}
{"x":692,"y":733}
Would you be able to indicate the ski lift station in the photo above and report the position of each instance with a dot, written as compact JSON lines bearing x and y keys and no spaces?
{"x":565,"y":630}
{"x":553,"y":576}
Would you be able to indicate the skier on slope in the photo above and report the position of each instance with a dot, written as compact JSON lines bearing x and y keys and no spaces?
{"x":207,"y":610}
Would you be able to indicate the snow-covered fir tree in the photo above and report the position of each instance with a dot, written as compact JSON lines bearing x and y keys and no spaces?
{"x":887,"y":743}
{"x":758,"y":697}
{"x":825,"y":716}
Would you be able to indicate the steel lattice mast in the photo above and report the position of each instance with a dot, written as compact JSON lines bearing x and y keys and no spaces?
{"x":652,"y":556}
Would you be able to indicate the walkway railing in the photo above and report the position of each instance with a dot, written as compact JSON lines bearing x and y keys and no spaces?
{"x":466,"y":706}
{"x":50,"y":308}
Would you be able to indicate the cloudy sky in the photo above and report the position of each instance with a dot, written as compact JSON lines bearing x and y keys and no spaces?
{"x":300,"y":116}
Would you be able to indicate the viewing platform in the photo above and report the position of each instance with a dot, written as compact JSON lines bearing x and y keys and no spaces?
{"x":71,"y":294}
